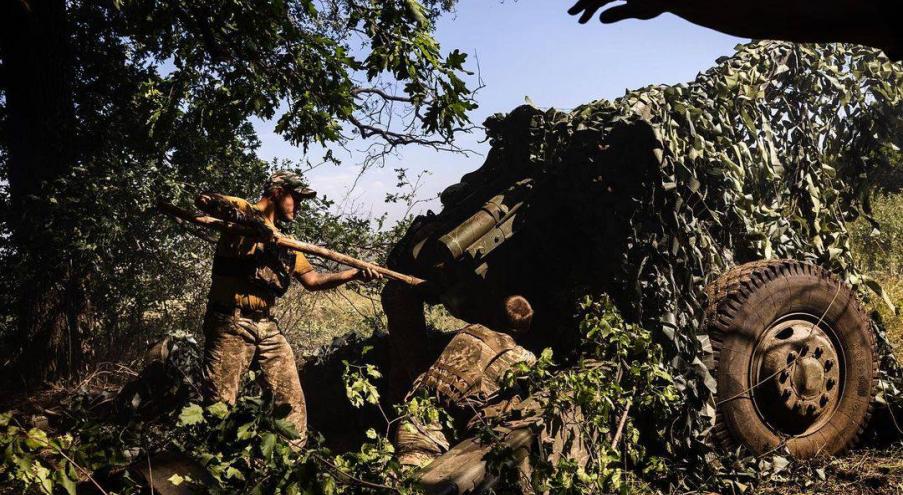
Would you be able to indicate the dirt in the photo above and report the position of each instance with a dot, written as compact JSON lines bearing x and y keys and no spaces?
{"x":866,"y":472}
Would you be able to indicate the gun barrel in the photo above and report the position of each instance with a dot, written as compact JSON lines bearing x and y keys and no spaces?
{"x":493,"y":215}
{"x":461,"y":237}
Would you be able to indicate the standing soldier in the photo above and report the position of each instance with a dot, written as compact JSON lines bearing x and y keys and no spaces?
{"x":249,"y":274}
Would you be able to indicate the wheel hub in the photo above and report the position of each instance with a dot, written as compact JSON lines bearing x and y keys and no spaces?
{"x":796,"y":363}
{"x":808,"y":379}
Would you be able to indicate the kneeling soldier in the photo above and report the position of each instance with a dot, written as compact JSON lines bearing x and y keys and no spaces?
{"x":249,"y":273}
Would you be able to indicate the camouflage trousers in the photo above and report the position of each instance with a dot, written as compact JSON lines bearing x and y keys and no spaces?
{"x":232,"y":344}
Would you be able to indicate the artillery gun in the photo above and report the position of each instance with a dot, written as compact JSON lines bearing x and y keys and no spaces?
{"x":793,"y":354}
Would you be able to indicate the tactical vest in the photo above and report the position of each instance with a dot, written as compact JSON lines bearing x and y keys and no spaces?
{"x":269,"y":267}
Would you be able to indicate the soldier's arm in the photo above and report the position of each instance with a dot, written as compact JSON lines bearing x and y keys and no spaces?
{"x":314,"y":280}
{"x":867,"y":22}
{"x":221,"y":207}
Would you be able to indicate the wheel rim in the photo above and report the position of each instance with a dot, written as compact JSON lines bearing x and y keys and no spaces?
{"x":797,"y":364}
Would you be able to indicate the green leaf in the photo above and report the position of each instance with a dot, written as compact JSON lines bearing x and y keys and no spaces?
{"x":64,"y":481}
{"x":281,"y":411}
{"x":176,"y":479}
{"x":246,"y":431}
{"x":42,"y":476}
{"x":267,"y":444}
{"x":37,"y":439}
{"x":286,"y":429}
{"x":233,"y":473}
{"x":218,"y":410}
{"x":191,"y":414}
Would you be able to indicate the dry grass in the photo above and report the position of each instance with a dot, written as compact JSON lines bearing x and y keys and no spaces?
{"x":893,"y":285}
{"x":313,"y":319}
{"x":880,"y":254}
{"x":864,"y":472}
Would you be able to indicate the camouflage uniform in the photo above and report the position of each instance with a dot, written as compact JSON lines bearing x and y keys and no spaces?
{"x":232,"y":343}
{"x":466,"y":379}
{"x":248,"y":276}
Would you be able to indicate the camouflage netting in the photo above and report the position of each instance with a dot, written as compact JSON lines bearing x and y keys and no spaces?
{"x":649,"y":197}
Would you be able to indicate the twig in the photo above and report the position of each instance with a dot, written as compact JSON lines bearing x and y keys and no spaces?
{"x":890,"y":409}
{"x":352,"y":479}
{"x":621,"y":423}
{"x":150,"y":472}
{"x":381,"y":93}
{"x":71,"y":461}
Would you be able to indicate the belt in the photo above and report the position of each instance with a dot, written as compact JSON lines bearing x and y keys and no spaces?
{"x":238,"y":312}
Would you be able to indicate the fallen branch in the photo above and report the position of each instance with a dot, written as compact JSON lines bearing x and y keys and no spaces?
{"x":59,"y":451}
{"x":349,"y":479}
{"x":621,"y":423}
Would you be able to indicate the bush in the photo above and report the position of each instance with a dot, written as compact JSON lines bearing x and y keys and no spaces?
{"x":878,"y":250}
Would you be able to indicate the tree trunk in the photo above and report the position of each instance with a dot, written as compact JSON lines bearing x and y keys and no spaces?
{"x":40,"y":125}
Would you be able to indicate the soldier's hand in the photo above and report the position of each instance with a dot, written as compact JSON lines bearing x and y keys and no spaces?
{"x":368,"y":274}
{"x":867,"y":22}
{"x":632,"y":9}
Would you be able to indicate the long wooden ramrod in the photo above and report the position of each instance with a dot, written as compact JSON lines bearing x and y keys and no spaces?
{"x":304,"y":247}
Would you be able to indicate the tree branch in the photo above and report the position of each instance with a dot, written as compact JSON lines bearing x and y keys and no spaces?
{"x":382,"y":94}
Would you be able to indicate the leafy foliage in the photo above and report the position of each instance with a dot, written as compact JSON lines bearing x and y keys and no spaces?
{"x":620,"y":372}
{"x":20,"y":463}
{"x":163,"y":96}
{"x":297,"y":60}
{"x":246,"y":448}
{"x":878,"y":252}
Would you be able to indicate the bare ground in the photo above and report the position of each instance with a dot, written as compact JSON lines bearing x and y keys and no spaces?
{"x":866,"y":471}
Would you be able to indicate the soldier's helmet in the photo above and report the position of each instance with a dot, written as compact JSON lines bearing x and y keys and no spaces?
{"x":289,"y":181}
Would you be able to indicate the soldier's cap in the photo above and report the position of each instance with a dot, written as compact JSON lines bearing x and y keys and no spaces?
{"x":289,"y":181}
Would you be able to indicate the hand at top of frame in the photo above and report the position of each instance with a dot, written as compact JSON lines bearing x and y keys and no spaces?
{"x":868,"y":22}
{"x":637,"y":9}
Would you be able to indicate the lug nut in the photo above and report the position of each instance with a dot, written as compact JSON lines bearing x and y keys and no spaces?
{"x":819,"y":351}
{"x":829,"y":364}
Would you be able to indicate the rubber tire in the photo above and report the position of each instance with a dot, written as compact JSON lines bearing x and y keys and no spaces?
{"x":742,"y":304}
